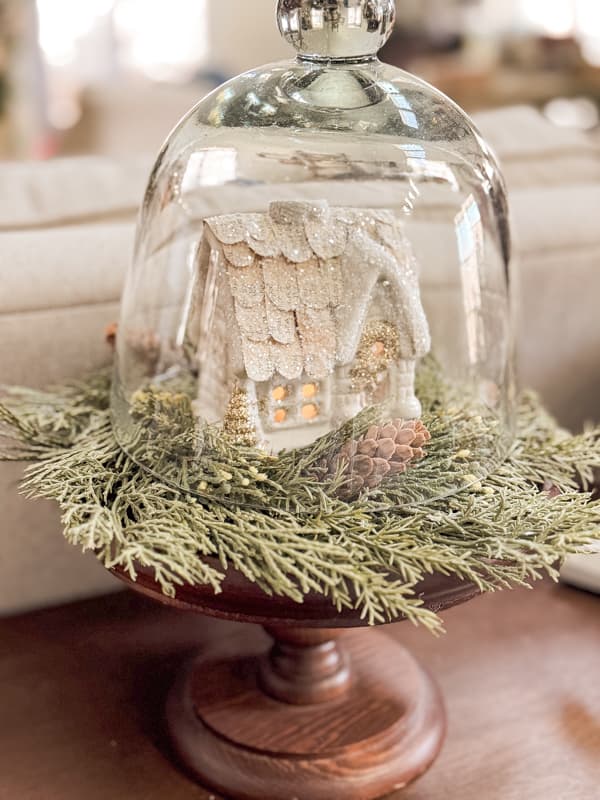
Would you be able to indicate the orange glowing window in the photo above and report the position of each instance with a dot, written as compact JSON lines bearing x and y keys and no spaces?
{"x":280,"y":415}
{"x":309,"y":390}
{"x":279,"y":393}
{"x":310,"y":411}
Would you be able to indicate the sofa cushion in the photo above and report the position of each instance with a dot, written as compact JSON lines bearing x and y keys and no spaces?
{"x":66,"y":236}
{"x":70,"y":191}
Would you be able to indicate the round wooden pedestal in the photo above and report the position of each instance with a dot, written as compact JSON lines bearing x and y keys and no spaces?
{"x":330,"y":711}
{"x":320,"y":715}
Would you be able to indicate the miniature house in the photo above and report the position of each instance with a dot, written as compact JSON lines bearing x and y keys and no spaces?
{"x":319,"y":308}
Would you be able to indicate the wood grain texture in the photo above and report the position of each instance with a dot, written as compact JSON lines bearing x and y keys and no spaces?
{"x":82,"y":692}
{"x":382,"y":734}
{"x":236,"y":719}
{"x":305,"y":666}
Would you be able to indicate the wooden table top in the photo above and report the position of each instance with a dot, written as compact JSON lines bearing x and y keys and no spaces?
{"x":82,"y":690}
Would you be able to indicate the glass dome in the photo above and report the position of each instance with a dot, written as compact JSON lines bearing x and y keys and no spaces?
{"x":320,"y":296}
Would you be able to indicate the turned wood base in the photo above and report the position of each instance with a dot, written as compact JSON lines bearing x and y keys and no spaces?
{"x":320,"y":715}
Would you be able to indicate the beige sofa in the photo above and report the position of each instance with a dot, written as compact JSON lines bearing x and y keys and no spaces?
{"x":66,"y":232}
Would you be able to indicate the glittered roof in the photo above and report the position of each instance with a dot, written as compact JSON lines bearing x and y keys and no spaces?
{"x":302,"y":278}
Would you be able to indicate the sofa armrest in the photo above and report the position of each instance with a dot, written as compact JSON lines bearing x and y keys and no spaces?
{"x":66,"y":236}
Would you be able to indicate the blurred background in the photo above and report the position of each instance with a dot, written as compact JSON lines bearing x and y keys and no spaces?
{"x":110,"y":76}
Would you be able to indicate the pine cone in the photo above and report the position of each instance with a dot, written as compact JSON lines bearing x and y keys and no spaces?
{"x":384,"y":450}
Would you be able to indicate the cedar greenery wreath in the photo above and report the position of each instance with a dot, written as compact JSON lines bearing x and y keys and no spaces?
{"x":288,"y":524}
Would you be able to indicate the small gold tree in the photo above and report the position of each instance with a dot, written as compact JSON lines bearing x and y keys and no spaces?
{"x":237,"y":422}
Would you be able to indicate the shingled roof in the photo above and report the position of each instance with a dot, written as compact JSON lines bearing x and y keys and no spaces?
{"x":302,"y":279}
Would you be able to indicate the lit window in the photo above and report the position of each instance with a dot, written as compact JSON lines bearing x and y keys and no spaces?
{"x":280,"y":415}
{"x":309,"y":390}
{"x":310,"y":411}
{"x":279,"y":393}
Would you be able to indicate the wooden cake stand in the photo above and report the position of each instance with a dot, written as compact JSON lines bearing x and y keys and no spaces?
{"x":311,"y":712}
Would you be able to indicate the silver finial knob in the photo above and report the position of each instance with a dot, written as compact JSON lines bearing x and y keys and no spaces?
{"x":336,"y":29}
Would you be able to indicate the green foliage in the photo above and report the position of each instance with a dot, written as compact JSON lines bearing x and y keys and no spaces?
{"x":173,"y":443}
{"x":291,"y":535}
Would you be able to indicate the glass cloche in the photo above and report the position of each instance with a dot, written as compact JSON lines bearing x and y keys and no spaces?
{"x":319,"y":303}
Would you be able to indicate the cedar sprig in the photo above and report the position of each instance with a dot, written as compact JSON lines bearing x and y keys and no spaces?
{"x":292,"y":535}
